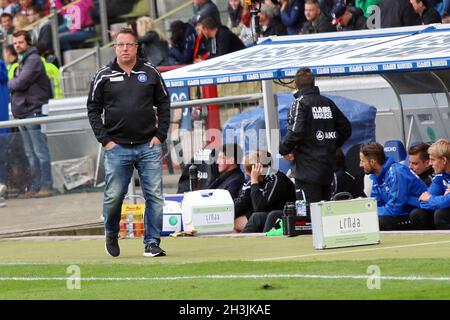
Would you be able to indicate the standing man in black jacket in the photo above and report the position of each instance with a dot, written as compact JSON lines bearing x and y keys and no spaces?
{"x":316,"y":128}
{"x":126,"y":91}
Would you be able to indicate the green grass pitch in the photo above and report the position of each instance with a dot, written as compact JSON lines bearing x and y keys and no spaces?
{"x":411,"y":266}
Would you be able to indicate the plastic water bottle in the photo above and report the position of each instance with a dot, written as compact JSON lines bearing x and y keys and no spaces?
{"x":130,"y":233}
{"x":300,"y":207}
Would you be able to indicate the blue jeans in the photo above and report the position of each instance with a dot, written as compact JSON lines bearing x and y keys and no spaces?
{"x":120,"y":162}
{"x":69,"y":39}
{"x":4,"y":143}
{"x":36,"y":149}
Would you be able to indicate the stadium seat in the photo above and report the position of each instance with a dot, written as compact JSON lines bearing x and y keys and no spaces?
{"x":395,"y":149}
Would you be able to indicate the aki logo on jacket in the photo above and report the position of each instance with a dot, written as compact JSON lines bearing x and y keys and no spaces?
{"x":320,"y":135}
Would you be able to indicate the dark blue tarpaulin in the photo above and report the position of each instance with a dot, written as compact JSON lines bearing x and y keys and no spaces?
{"x":247,"y":128}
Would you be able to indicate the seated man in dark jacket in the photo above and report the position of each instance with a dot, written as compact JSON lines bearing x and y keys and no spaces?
{"x":316,"y":21}
{"x":348,"y":18}
{"x":230,"y":176}
{"x":266,"y":191}
{"x":221,"y":39}
{"x":395,"y":187}
{"x":434,"y":212}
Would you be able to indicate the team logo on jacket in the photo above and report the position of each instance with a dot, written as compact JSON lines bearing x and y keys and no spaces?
{"x":142,"y":78}
{"x":329,"y":135}
{"x":320,"y":135}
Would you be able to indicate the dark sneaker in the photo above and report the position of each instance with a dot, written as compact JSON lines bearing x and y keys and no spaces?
{"x":153,"y":250}
{"x":112,"y":246}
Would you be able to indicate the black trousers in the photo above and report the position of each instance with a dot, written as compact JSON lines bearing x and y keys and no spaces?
{"x":262,"y":221}
{"x":313,"y":192}
{"x":427,"y":220}
{"x":388,"y":223}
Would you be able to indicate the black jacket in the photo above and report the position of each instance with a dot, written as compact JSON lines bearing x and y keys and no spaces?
{"x":231,"y":181}
{"x":316,"y":128}
{"x":398,"y":13}
{"x":322,"y":24}
{"x":128,"y":104}
{"x":224,"y":42}
{"x":427,"y":176}
{"x":431,"y":15}
{"x":275,"y":28}
{"x":154,"y":49}
{"x":271,"y":194}
{"x":358,"y":21}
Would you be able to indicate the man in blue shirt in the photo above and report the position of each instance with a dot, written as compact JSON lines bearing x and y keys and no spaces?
{"x":394,"y":186}
{"x":434,"y":212}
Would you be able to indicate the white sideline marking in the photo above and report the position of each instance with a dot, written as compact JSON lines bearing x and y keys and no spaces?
{"x":229,"y":276}
{"x":353,"y":251}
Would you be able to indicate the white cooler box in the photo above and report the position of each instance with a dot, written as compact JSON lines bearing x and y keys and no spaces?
{"x":337,"y":224}
{"x":171,"y":218}
{"x":208,"y":211}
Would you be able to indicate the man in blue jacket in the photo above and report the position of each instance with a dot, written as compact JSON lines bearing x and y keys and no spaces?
{"x":434,"y":212}
{"x":395,"y":187}
{"x":4,"y":116}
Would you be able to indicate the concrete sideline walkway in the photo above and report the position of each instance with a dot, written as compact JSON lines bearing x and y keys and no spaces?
{"x":75,"y":214}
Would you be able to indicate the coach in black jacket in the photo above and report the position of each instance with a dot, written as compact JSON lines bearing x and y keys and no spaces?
{"x":316,"y":128}
{"x":126,"y":91}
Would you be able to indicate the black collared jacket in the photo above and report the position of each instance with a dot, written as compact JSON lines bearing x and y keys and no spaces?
{"x":128,"y":104}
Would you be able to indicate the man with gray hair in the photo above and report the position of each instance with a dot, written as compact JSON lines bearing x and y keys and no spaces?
{"x":204,"y":8}
{"x":270,"y":21}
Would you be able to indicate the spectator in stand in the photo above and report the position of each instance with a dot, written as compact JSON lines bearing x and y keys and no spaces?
{"x":182,"y":41}
{"x":326,"y":6}
{"x":78,"y":24}
{"x":395,"y":187}
{"x":434,"y":212}
{"x":25,"y":5}
{"x":292,"y":15}
{"x":10,"y":57}
{"x":30,"y":90}
{"x":398,"y":13}
{"x":442,"y":6}
{"x":20,"y":21}
{"x":348,"y":18}
{"x":7,"y":7}
{"x":419,"y":162}
{"x":428,"y":14}
{"x":317,"y":22}
{"x":267,"y":190}
{"x":235,"y":11}
{"x":230,"y":176}
{"x":204,"y":8}
{"x":221,"y":39}
{"x":270,"y":21}
{"x":7,"y":26}
{"x":247,"y":35}
{"x":154,"y":46}
{"x":41,"y":33}
{"x":365,"y":5}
